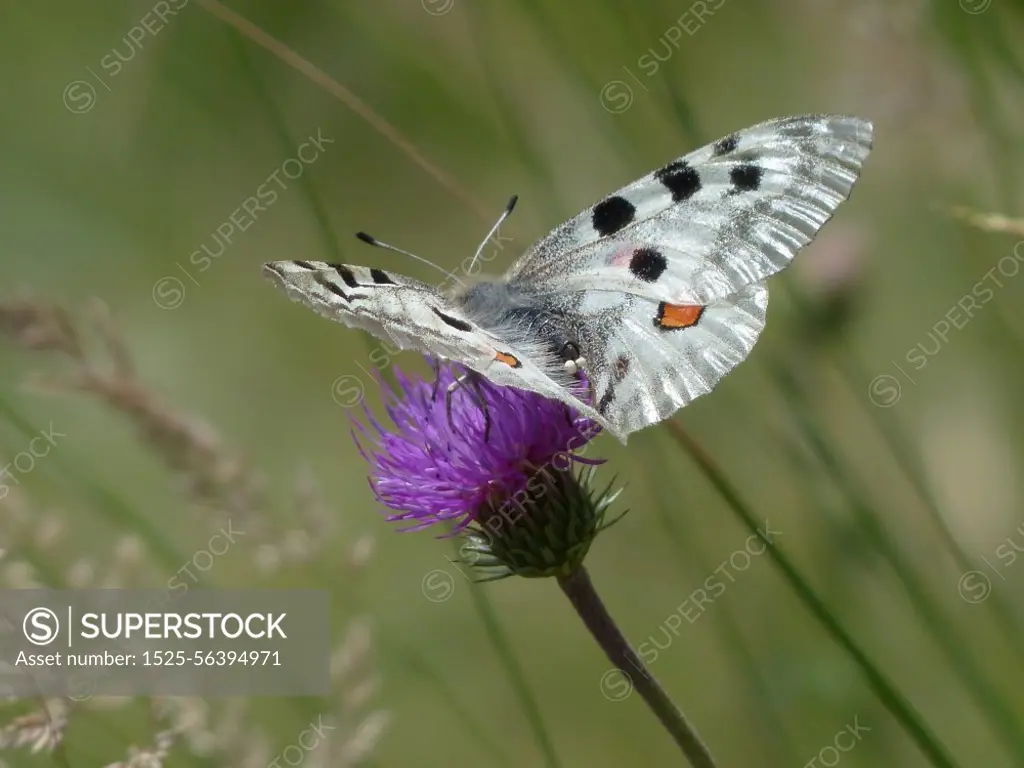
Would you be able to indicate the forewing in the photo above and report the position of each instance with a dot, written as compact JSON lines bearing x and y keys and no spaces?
{"x":416,"y":316}
{"x":648,"y":359}
{"x":728,"y":215}
{"x":407,"y":312}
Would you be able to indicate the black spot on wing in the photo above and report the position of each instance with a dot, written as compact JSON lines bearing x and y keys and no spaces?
{"x":346,"y":274}
{"x":725,"y":145}
{"x":454,"y":322}
{"x":304,"y":264}
{"x":746,"y":177}
{"x":380,"y":277}
{"x":611,"y":215}
{"x":681,"y":179}
{"x":648,"y":264}
{"x":325,"y":282}
{"x":619,"y":370}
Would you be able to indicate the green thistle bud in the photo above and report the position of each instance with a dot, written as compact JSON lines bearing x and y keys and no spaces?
{"x":545,"y":530}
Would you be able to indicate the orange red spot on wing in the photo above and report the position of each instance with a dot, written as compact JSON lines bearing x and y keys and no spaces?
{"x":676,"y":316}
{"x":507,"y":359}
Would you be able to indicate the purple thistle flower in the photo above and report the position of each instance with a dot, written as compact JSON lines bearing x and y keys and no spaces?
{"x":429,"y":470}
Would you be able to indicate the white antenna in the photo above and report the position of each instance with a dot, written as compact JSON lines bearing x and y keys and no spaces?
{"x":504,"y":215}
{"x":374,"y":241}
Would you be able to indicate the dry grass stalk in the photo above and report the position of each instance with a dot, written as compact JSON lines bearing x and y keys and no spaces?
{"x":225,"y":732}
{"x":151,"y":757}
{"x":988,"y":222}
{"x":40,"y":731}
{"x":191,"y":447}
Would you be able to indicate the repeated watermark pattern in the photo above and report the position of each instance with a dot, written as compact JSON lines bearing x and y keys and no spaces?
{"x":975,"y":7}
{"x":80,"y":95}
{"x":199,"y":562}
{"x":886,"y":389}
{"x":617,"y":95}
{"x":437,"y":7}
{"x":203,"y":559}
{"x":169,"y":291}
{"x":311,"y":737}
{"x":844,"y":741}
{"x":616,"y":684}
{"x":438,"y":585}
{"x":975,"y":586}
{"x":348,"y":390}
{"x":24,"y":462}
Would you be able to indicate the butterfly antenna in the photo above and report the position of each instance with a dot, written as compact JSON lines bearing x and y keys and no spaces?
{"x":504,"y":215}
{"x":371,"y":240}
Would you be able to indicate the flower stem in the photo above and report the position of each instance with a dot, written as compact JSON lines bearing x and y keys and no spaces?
{"x":516,"y":676}
{"x":584,"y":598}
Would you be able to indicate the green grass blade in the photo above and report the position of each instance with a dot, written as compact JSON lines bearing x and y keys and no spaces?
{"x":513,"y":671}
{"x":973,"y":679}
{"x":782,"y":750}
{"x":247,"y":64}
{"x":908,"y":463}
{"x":887,"y":693}
{"x":328,"y":236}
{"x":852,"y":370}
{"x":410,"y":660}
{"x":107,"y":504}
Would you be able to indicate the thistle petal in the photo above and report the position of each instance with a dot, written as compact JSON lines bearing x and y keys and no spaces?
{"x":428,"y":469}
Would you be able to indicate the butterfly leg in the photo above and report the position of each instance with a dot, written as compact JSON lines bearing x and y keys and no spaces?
{"x":482,"y":402}
{"x":436,"y":365}
{"x":568,"y":416}
{"x":475,"y":392}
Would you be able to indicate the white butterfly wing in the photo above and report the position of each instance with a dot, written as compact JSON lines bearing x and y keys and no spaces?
{"x":407,"y":312}
{"x":417,"y":316}
{"x":647,"y":360}
{"x":728,"y":215}
{"x":660,"y":282}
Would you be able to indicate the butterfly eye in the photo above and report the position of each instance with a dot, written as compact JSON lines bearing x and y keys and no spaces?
{"x":569,"y":352}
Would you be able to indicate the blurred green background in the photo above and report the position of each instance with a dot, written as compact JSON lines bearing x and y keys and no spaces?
{"x":128,"y":139}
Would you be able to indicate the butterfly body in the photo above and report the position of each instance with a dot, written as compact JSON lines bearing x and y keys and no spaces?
{"x":654,"y":293}
{"x":516,"y":313}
